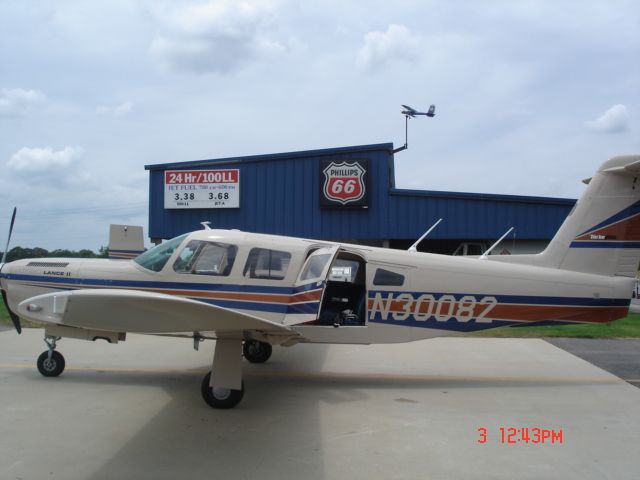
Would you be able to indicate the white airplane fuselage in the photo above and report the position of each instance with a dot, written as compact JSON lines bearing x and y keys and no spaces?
{"x":388,"y":295}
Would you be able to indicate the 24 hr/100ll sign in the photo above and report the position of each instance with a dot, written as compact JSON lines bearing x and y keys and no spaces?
{"x":202,"y":188}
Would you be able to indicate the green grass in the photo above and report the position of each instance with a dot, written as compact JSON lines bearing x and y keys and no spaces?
{"x":6,"y":320}
{"x":4,"y":315}
{"x":628,"y":327}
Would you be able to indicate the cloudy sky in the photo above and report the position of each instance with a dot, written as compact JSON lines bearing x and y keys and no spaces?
{"x":531,"y":95}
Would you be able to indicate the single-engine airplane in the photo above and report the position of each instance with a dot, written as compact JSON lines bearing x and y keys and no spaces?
{"x":251,"y":291}
{"x":412,"y":112}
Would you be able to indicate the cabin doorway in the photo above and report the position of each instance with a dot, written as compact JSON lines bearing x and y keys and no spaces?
{"x":344,"y":302}
{"x":330,"y":290}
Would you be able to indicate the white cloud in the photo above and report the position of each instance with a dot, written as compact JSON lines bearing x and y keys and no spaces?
{"x":16,"y":101}
{"x":614,"y":120}
{"x":215,"y":36}
{"x":116,"y":110}
{"x":381,"y":48}
{"x":36,"y":160}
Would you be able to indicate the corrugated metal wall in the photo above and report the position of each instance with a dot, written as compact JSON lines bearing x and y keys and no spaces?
{"x":279,"y":194}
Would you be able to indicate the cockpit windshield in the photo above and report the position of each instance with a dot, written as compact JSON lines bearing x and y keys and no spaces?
{"x":156,"y":258}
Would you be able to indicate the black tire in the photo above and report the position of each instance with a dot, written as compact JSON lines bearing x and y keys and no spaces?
{"x":53,"y":367}
{"x":256,"y":352}
{"x":220,"y":398}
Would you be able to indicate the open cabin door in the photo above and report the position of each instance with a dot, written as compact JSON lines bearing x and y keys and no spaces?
{"x":309,"y":287}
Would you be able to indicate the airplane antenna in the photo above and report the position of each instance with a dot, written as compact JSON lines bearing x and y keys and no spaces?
{"x":409,"y":112}
{"x":206,"y":225}
{"x":414,"y":247}
{"x":484,"y":255}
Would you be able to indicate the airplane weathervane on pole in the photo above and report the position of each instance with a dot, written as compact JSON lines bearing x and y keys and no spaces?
{"x":409,"y":112}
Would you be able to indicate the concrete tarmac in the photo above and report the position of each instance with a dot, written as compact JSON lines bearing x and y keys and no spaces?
{"x":413,"y":411}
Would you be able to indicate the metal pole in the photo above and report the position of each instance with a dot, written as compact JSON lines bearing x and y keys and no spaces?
{"x":406,"y":131}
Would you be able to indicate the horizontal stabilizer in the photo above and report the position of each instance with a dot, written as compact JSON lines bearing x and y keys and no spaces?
{"x":139,"y":312}
{"x":632,"y":168}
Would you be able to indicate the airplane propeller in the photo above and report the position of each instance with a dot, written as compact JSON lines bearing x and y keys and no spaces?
{"x":14,"y":318}
{"x":4,"y":254}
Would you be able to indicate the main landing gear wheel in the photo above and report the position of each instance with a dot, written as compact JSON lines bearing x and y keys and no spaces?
{"x":50,"y":364}
{"x":220,"y":397}
{"x":256,"y":352}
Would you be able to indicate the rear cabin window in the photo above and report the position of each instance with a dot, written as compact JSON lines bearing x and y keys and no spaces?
{"x":267,"y":264}
{"x":390,"y":279}
{"x":206,"y":258}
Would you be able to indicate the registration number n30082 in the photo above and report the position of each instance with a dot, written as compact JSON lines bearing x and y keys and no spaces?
{"x":422,"y":307}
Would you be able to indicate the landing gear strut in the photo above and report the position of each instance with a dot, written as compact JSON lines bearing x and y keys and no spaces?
{"x":256,"y":352}
{"x":51,"y":363}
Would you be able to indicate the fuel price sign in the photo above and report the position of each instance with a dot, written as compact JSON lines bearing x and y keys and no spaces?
{"x":202,"y":189}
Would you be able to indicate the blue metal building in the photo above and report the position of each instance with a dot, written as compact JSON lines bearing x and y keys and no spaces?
{"x":285,"y":194}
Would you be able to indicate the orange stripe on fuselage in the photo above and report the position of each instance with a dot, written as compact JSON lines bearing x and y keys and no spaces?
{"x":519,"y":312}
{"x":627,"y":229}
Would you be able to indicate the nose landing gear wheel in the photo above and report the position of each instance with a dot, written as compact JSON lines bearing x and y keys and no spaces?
{"x":256,"y":352}
{"x":50,"y":367}
{"x":220,"y":397}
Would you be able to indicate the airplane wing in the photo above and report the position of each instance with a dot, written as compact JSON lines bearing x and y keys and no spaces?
{"x":140,"y":312}
{"x":408,"y":108}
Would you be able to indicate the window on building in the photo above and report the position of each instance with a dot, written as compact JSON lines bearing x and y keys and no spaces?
{"x":267,"y":264}
{"x":387,"y":278}
{"x":206,"y":258}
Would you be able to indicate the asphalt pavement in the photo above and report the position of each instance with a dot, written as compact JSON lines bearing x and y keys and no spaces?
{"x":618,"y":356}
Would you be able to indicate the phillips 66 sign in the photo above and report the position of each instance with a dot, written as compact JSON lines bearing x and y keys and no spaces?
{"x":343,"y":184}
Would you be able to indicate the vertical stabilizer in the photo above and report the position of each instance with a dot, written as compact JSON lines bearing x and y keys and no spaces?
{"x":601,"y":235}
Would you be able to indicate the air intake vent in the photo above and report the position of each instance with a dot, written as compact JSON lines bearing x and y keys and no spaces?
{"x":47,"y":264}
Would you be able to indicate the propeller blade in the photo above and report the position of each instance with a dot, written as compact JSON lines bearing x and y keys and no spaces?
{"x":14,"y":318}
{"x":6,"y":248}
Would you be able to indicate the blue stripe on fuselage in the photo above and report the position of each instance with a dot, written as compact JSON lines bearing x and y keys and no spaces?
{"x":604,"y":244}
{"x":451,"y":324}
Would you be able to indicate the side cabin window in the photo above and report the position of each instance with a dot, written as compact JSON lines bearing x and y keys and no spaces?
{"x":388,"y":278}
{"x":314,"y":266}
{"x":267,"y":264}
{"x":206,"y":258}
{"x":156,"y":258}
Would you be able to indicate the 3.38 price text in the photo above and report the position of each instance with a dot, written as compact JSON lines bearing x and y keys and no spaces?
{"x":184,"y":196}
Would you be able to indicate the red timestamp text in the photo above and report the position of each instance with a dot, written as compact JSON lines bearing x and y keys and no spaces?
{"x":520,"y":435}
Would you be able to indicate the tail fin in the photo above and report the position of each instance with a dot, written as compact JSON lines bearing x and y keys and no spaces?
{"x":601,"y":235}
